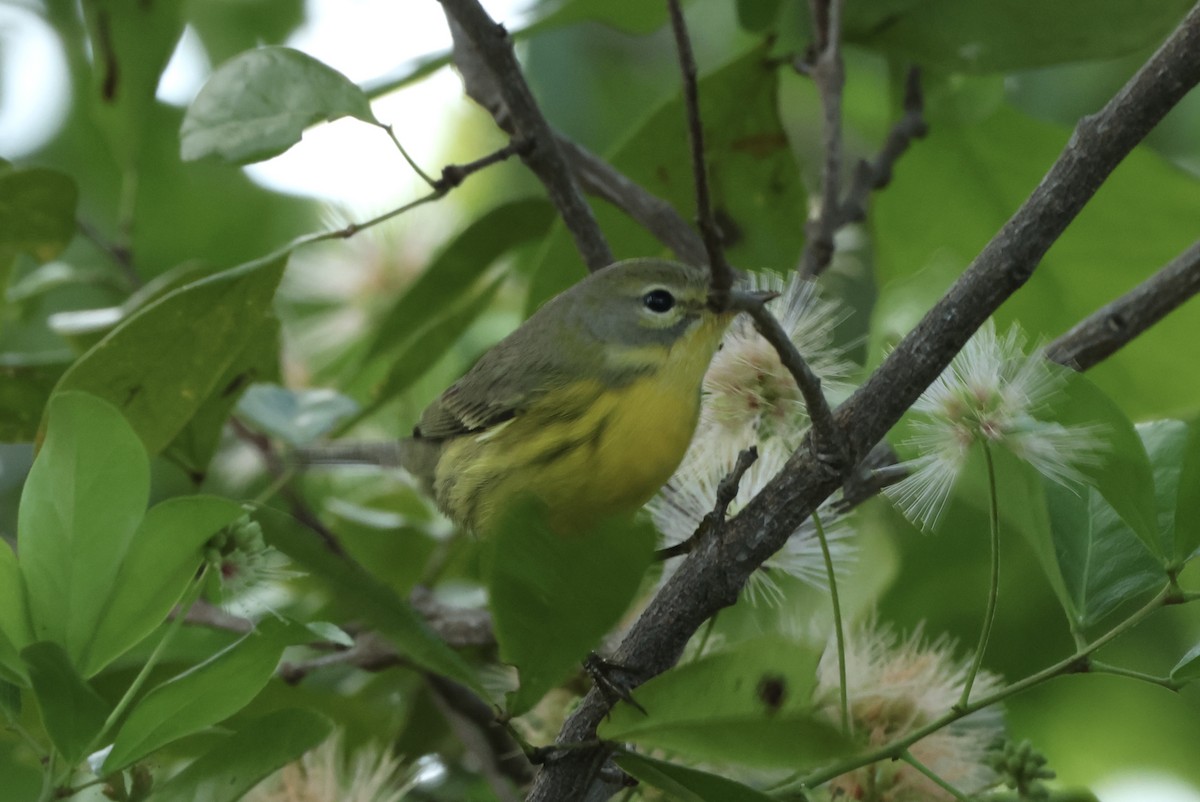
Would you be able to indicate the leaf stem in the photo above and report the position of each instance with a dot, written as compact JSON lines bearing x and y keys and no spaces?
{"x":1098,"y":667}
{"x":989,"y":615}
{"x":908,"y":758}
{"x":838,"y":629}
{"x":415,"y":167}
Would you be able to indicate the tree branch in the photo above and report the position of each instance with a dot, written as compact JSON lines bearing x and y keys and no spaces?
{"x":479,"y":40}
{"x":825,"y":433}
{"x":712,"y":576}
{"x":1099,"y":335}
{"x":651,"y":212}
{"x":829,"y":76}
{"x":722,"y":273}
{"x":876,"y":174}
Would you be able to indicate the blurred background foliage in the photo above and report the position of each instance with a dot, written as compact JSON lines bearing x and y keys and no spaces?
{"x":1004,"y":81}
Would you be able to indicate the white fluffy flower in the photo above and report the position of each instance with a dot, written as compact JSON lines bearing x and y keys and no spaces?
{"x":691,"y":494}
{"x":749,"y":396}
{"x":992,"y":393}
{"x":327,"y":773}
{"x":896,"y":686}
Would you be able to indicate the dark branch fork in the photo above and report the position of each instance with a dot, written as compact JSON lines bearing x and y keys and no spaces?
{"x":824,"y":66}
{"x":491,"y":45}
{"x":711,"y":577}
{"x":826,"y":436}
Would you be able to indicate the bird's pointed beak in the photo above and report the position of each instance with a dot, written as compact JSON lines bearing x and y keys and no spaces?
{"x":745,"y":300}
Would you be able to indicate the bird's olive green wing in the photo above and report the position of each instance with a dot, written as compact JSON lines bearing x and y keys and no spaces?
{"x":506,"y":381}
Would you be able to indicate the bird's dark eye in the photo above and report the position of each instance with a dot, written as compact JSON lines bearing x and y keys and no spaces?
{"x":658,"y":301}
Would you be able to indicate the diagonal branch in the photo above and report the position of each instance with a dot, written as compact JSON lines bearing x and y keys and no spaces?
{"x":478,"y":36}
{"x":711,"y":577}
{"x":1097,"y":336}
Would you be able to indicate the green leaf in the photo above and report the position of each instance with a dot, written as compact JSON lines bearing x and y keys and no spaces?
{"x":297,"y":417}
{"x":72,"y":712}
{"x":1122,"y":473}
{"x":257,"y":105}
{"x":964,"y":182}
{"x":199,"y":697}
{"x":1187,"y":506}
{"x":1102,"y":561}
{"x":162,"y":363}
{"x":756,"y":188}
{"x":553,"y":596}
{"x":237,"y":763}
{"x":687,"y":784}
{"x":458,"y":266}
{"x":1022,"y":494}
{"x":15,"y":632}
{"x":80,"y":509}
{"x":366,"y":597}
{"x":981,"y":37}
{"x":163,"y":557}
{"x":751,"y":705}
{"x":1165,"y":442}
{"x":1188,"y":667}
{"x":430,"y":343}
{"x":258,"y":361}
{"x":37,"y":213}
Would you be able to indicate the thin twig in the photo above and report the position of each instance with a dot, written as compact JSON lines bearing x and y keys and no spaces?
{"x":876,"y":174}
{"x":474,"y":722}
{"x":489,"y":43}
{"x":827,"y":436}
{"x":1098,"y":336}
{"x":720,"y":293}
{"x":727,"y":490}
{"x":828,"y":74}
{"x":722,"y":273}
{"x":452,"y":176}
{"x":278,"y":468}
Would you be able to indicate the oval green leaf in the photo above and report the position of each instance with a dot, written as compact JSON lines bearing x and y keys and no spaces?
{"x":365,"y":596}
{"x":1122,"y":473}
{"x":164,"y":555}
{"x":553,"y":596}
{"x":751,"y":705}
{"x":15,"y":633}
{"x":72,"y":712}
{"x":1187,"y":505}
{"x":81,"y":506}
{"x":257,"y":105}
{"x":160,"y":365}
{"x":199,"y":697}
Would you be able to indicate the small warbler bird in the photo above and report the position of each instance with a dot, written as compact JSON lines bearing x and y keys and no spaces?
{"x":588,"y":406}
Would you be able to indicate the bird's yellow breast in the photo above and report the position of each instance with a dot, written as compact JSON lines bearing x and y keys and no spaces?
{"x":586,"y":450}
